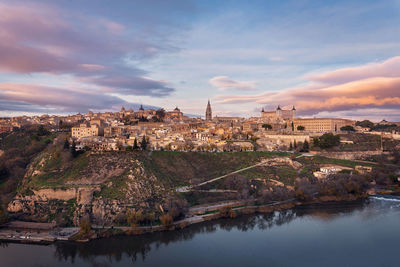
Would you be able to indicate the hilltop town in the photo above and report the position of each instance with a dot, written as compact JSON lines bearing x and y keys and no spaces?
{"x":279,"y":129}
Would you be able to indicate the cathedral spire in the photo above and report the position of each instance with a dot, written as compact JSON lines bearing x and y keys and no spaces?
{"x":208,"y":111}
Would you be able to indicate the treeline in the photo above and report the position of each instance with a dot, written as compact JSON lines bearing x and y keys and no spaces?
{"x":343,"y":184}
{"x":377,"y":127}
{"x":173,"y":210}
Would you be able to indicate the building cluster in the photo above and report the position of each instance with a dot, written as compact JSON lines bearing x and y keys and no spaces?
{"x":172,"y":130}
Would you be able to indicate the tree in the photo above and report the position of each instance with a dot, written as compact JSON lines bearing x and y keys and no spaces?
{"x":292,"y":126}
{"x":160,"y":114}
{"x":143,"y":144}
{"x":143,"y":119}
{"x":290,"y":146}
{"x":306,"y":146}
{"x":294,"y":144}
{"x":74,"y":153}
{"x":267,"y":126}
{"x":166,"y":220}
{"x":327,"y":140}
{"x":135,"y":145}
{"x":66,"y":144}
{"x":348,"y":128}
{"x":365,"y":123}
{"x":85,"y":225}
{"x":42,"y":131}
{"x":134,"y":217}
{"x":177,"y":208}
{"x":3,"y":215}
{"x":300,"y":128}
{"x":227,"y":212}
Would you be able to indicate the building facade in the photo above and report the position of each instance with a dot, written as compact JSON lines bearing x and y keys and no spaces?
{"x":279,"y":113}
{"x":321,"y":125}
{"x":83,"y":130}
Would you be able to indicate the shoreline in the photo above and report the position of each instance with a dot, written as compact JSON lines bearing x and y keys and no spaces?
{"x":105,"y":232}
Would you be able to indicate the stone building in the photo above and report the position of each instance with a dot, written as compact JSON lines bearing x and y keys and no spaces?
{"x":279,"y":113}
{"x":175,"y":114}
{"x":321,"y":125}
{"x":84,"y":130}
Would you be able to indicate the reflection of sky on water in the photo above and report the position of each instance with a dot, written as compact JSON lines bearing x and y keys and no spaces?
{"x":357,"y":234}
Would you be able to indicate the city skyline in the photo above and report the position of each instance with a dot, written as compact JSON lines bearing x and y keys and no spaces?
{"x":328,"y":59}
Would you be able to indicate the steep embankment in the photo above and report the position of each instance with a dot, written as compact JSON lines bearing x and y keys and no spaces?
{"x":17,"y":149}
{"x":58,"y":187}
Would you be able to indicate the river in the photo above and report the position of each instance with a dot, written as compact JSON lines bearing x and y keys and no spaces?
{"x":361,"y":233}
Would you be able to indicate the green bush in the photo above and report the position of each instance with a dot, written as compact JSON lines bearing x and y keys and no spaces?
{"x":327,"y":140}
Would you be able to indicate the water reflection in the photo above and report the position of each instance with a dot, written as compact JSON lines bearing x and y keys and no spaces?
{"x":138,"y":247}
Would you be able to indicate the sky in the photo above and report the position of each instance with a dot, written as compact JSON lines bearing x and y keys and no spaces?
{"x":327,"y":58}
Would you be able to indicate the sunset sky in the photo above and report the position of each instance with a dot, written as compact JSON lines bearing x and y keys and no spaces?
{"x":328,"y":58}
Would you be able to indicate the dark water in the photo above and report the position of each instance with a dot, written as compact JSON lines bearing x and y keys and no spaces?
{"x":364,"y":233}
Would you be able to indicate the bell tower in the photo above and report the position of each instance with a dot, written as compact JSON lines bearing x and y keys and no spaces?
{"x":208,"y":112}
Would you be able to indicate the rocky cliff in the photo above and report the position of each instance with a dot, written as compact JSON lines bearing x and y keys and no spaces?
{"x":104,"y":185}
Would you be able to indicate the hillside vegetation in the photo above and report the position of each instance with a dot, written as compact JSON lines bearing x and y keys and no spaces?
{"x":141,"y":187}
{"x":17,"y":151}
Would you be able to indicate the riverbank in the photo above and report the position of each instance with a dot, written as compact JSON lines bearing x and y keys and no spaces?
{"x":196,"y":215}
{"x":356,"y":233}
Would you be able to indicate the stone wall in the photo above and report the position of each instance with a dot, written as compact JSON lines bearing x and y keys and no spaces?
{"x":356,"y":155}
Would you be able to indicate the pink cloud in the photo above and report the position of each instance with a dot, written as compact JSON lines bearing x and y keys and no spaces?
{"x":370,"y":86}
{"x":388,"y":68}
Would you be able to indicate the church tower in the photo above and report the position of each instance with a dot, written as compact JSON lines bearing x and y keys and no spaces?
{"x":279,"y":111}
{"x":208,"y":112}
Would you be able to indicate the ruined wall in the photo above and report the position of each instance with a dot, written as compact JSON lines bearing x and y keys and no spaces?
{"x":357,"y":155}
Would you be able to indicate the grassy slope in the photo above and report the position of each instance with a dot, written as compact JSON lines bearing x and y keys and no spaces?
{"x":172,"y":169}
{"x":179,"y":168}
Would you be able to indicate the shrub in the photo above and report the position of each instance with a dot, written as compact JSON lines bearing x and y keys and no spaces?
{"x":134,"y":217}
{"x":304,"y":189}
{"x":166,"y":220}
{"x":306,"y":146}
{"x":177,"y":208}
{"x":85,"y":225}
{"x":227,"y":212}
{"x":348,"y":128}
{"x":3,"y":215}
{"x":327,"y":140}
{"x":365,"y":123}
{"x":224,"y":211}
{"x":66,"y":144}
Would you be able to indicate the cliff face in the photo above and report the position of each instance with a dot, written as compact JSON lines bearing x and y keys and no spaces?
{"x":58,"y":187}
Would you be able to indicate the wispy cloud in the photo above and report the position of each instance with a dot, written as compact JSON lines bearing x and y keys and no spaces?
{"x":31,"y":97}
{"x":388,"y":68}
{"x":224,"y":83}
